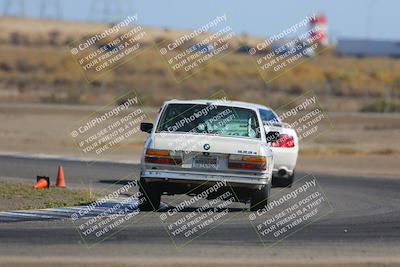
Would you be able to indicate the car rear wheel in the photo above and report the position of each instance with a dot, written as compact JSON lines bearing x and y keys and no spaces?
{"x":259,"y":198}
{"x":151,"y":196}
{"x":278,"y":181}
{"x":290,"y":180}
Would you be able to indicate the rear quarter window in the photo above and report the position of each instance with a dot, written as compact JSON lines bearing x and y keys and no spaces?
{"x":268,"y":117}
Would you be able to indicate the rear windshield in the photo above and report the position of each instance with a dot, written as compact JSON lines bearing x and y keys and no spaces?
{"x":210,"y":120}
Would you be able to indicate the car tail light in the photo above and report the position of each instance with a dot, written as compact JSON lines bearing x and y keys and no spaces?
{"x":153,"y":152}
{"x":247,"y":162}
{"x":162,"y":157}
{"x":285,"y":140}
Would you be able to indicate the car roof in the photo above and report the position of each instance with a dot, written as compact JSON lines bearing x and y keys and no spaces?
{"x":218,"y":102}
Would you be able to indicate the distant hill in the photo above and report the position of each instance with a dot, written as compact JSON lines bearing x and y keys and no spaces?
{"x":36,"y":65}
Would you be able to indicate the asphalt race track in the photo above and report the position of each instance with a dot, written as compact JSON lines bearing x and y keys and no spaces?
{"x":364,"y":223}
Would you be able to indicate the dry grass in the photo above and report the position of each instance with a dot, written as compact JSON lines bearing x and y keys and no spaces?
{"x":36,"y":66}
{"x":23,"y":196}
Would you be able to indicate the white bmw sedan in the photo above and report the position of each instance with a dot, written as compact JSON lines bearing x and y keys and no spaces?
{"x":206,"y":142}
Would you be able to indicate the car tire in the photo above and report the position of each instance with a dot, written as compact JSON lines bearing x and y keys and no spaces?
{"x":283,"y":181}
{"x":259,"y":198}
{"x":290,"y":180}
{"x":151,"y":196}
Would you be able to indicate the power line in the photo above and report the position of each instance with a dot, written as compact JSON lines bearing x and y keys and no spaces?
{"x":19,"y":5}
{"x":109,"y":11}
{"x":47,"y":8}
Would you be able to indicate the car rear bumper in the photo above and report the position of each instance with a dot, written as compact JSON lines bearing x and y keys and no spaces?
{"x":201,"y":177}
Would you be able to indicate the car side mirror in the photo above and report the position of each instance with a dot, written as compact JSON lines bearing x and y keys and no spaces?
{"x":272,"y":136}
{"x":146,"y":127}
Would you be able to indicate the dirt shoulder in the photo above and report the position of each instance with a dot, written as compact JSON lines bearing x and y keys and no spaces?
{"x":368,"y":166}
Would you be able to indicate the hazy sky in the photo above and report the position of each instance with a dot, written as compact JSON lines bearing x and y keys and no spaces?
{"x":347,"y":18}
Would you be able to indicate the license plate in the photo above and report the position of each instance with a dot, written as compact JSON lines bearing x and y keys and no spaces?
{"x":205,"y":163}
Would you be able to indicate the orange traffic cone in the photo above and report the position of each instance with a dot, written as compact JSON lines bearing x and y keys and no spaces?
{"x":42,"y":182}
{"x":60,"y":177}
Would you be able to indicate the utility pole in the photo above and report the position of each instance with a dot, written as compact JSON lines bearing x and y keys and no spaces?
{"x":110,"y":10}
{"x":50,"y":7}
